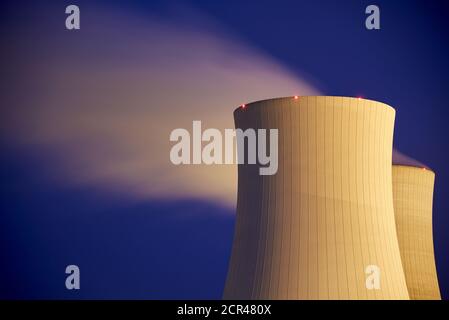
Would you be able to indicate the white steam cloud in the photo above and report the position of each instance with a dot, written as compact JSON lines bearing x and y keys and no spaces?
{"x":102,"y":103}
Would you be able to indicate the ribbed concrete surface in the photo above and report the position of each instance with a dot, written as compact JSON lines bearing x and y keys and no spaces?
{"x":413,"y":197}
{"x":309,"y":231}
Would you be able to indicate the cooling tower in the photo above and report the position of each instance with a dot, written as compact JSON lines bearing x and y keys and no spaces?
{"x":412,"y":196}
{"x":311,"y":230}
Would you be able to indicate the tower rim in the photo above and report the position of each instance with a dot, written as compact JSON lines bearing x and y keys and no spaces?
{"x":421,"y":168}
{"x":244,"y":106}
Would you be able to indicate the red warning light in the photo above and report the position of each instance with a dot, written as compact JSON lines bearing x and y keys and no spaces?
{"x":296,"y":97}
{"x":243,"y":106}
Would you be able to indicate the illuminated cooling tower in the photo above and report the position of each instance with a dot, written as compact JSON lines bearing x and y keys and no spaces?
{"x":311,"y":230}
{"x":412,"y":195}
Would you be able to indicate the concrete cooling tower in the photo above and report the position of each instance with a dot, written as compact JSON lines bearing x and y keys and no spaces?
{"x":313,"y":229}
{"x":412,"y":196}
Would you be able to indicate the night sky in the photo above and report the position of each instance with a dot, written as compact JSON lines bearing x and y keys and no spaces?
{"x":161,"y":248}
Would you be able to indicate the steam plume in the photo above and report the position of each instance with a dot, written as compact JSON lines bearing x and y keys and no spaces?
{"x":101,"y":103}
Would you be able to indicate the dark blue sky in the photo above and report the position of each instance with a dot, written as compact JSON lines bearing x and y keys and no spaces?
{"x":181,"y":250}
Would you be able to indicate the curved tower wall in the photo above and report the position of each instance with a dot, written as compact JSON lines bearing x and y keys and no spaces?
{"x":310,"y":230}
{"x":413,"y":196}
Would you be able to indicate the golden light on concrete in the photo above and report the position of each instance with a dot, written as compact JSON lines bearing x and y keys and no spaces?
{"x":310,"y":231}
{"x":413,"y":197}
